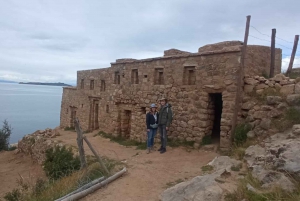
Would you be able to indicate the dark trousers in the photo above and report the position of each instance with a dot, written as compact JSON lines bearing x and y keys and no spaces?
{"x":163,"y":135}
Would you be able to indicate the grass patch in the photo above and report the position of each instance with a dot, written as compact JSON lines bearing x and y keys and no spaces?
{"x":236,"y":168}
{"x":240,"y":133}
{"x":206,"y":140}
{"x":291,"y":117}
{"x":294,"y":75}
{"x":69,"y":128}
{"x":49,"y":190}
{"x":207,"y":168}
{"x":124,"y":141}
{"x":266,"y":92}
{"x":170,"y":184}
{"x":273,"y":194}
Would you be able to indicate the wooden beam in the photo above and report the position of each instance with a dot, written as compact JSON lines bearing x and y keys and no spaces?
{"x":272,"y":66}
{"x":96,"y":155}
{"x":289,"y":70}
{"x":80,"y":143}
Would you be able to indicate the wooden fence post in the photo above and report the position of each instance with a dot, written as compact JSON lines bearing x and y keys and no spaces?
{"x":293,"y":55}
{"x":272,"y":66}
{"x":80,"y":143}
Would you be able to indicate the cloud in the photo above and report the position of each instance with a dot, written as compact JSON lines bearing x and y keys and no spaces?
{"x":51,"y":40}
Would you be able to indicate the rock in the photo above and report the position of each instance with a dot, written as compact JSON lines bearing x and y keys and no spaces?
{"x":296,"y":129}
{"x":248,"y":105}
{"x":293,"y":99}
{"x":274,"y":113}
{"x":261,"y":86}
{"x":250,"y":134}
{"x":254,"y":154}
{"x":265,"y":123}
{"x":279,"y":77}
{"x":248,"y":88}
{"x":259,"y":114}
{"x":199,"y":188}
{"x":251,"y":188}
{"x":273,"y":100}
{"x":260,"y":91}
{"x":297,"y":88}
{"x":287,"y":89}
{"x":272,"y":178}
{"x":277,"y":86}
{"x":250,"y":81}
{"x":224,"y":162}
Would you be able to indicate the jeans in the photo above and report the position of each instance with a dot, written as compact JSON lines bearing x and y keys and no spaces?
{"x":163,"y":135}
{"x":151,"y":134}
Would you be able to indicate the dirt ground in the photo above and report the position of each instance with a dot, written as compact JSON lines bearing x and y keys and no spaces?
{"x":147,"y":177}
{"x":14,"y":166}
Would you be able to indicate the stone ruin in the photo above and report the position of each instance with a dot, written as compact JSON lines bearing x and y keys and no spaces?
{"x":201,"y":87}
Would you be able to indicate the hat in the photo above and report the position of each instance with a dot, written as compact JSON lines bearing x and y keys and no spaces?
{"x":153,"y":105}
{"x":163,"y":98}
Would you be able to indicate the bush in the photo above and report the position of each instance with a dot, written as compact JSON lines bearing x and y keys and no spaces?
{"x":5,"y":133}
{"x":14,"y":195}
{"x":240,"y":133}
{"x":206,"y":140}
{"x":60,"y":162}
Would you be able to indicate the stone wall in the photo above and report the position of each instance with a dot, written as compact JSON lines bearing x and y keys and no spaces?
{"x":266,"y":100}
{"x":116,"y":99}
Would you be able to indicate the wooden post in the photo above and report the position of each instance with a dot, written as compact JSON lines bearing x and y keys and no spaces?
{"x":293,"y":55}
{"x":97,"y":156}
{"x":80,"y":143}
{"x":240,"y":78}
{"x":272,"y":67}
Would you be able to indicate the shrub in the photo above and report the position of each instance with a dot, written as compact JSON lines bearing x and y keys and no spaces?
{"x":5,"y":133}
{"x":60,"y":162}
{"x":14,"y":195}
{"x":240,"y":133}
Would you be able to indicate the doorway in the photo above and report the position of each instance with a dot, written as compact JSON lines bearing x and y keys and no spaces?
{"x":216,"y":104}
{"x":72,"y":116}
{"x":96,"y":108}
{"x":125,"y":123}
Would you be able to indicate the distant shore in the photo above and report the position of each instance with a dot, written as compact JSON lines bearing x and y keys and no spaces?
{"x":44,"y":83}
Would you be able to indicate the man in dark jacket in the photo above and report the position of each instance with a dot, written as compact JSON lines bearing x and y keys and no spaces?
{"x":164,"y":122}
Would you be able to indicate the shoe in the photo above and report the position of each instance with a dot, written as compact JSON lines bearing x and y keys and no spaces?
{"x":163,"y":150}
{"x":148,"y":151}
{"x":152,"y":149}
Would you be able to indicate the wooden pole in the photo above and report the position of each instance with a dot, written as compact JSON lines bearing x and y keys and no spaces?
{"x":97,"y":156}
{"x":80,"y":144}
{"x":293,"y":55}
{"x":272,"y":67}
{"x":84,"y":193}
{"x":240,"y":78}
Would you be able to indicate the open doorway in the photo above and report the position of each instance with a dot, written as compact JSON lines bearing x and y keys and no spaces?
{"x":216,"y":105}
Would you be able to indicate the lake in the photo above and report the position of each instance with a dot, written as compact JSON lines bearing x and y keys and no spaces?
{"x":28,"y":108}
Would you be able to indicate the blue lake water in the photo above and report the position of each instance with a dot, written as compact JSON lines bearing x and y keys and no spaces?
{"x":28,"y":108}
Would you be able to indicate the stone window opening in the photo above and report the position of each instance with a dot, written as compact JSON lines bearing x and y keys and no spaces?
{"x":117,"y":78}
{"x":159,"y":76}
{"x":82,"y":84}
{"x":102,"y":87}
{"x":126,"y":117}
{"x":145,"y":76}
{"x":143,"y":110}
{"x":81,"y":105}
{"x":92,"y":84}
{"x":215,"y":107}
{"x":189,"y":75}
{"x":107,"y":109}
{"x":134,"y":76}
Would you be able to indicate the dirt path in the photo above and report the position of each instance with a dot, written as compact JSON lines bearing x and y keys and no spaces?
{"x":12,"y":166}
{"x":148,"y":174}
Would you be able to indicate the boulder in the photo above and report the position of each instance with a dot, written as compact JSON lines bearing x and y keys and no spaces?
{"x":293,"y":99}
{"x":250,"y":81}
{"x":254,"y":155}
{"x":287,"y":89}
{"x":279,"y":77}
{"x":248,"y":105}
{"x":224,"y":162}
{"x":297,"y":88}
{"x":265,"y":123}
{"x":296,"y":129}
{"x":199,"y":188}
{"x":248,"y":88}
{"x":250,"y":134}
{"x":273,"y":100}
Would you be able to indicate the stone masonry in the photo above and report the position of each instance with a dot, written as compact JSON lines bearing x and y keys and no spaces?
{"x":116,"y":99}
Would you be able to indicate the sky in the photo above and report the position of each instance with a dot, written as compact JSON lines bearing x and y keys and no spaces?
{"x":49,"y":41}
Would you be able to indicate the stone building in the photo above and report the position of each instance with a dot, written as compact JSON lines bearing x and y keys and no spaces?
{"x":201,"y":87}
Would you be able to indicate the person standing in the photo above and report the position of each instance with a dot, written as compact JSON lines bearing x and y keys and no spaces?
{"x":164,"y":122}
{"x":152,"y":124}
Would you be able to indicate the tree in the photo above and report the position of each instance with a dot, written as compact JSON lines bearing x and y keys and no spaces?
{"x":5,"y":133}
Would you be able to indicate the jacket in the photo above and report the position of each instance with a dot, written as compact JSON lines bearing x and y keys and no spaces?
{"x":150,"y":120}
{"x":166,"y":115}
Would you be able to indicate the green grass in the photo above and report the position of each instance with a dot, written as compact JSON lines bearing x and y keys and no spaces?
{"x":291,"y":117}
{"x":206,"y":140}
{"x":262,"y":98}
{"x":178,"y":143}
{"x":207,"y":168}
{"x":170,"y":184}
{"x":124,"y":141}
{"x":274,"y":194}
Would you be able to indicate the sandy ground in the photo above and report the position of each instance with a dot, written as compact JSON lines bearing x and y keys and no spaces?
{"x":14,"y":166}
{"x":147,"y":177}
{"x":148,"y":174}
